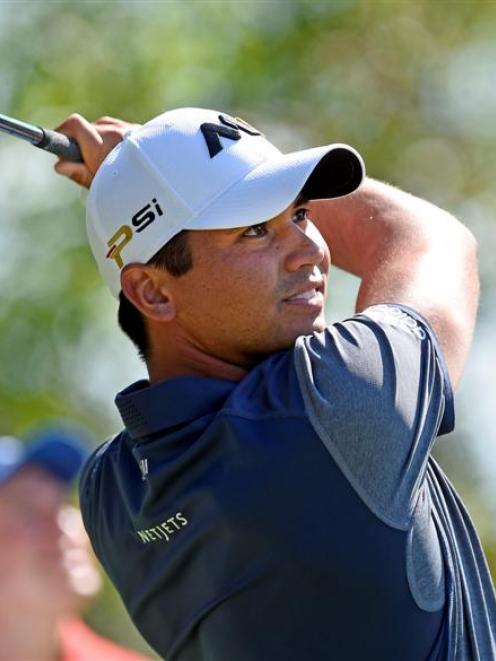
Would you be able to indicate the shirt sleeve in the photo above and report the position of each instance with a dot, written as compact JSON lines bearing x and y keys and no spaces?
{"x":377,"y":391}
{"x":89,"y":474}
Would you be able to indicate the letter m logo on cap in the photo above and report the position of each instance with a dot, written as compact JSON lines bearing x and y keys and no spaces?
{"x":230,"y":127}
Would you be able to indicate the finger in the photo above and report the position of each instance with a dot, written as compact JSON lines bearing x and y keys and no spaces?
{"x":86,"y":135}
{"x":77,"y":172}
{"x":113,"y":126}
{"x":111,"y":121}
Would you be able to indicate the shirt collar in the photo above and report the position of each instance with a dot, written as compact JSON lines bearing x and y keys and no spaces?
{"x":146,"y":409}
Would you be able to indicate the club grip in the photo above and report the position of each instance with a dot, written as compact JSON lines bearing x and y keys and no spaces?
{"x":61,"y":145}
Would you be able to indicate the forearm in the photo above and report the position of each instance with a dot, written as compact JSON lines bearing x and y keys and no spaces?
{"x":409,"y":251}
{"x":374,"y":221}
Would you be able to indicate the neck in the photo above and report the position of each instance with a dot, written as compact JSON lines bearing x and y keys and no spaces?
{"x":174,"y":356}
{"x":163,"y":367}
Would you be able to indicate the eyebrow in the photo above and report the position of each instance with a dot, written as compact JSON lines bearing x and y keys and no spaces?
{"x":300,"y":200}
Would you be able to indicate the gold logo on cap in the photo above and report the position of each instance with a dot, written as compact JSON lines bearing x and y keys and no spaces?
{"x":141,"y":220}
{"x":117,"y":242}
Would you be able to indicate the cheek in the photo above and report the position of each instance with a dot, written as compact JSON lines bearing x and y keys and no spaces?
{"x":253,"y":286}
{"x":235,"y":282}
{"x":326,"y":263}
{"x":317,"y":237}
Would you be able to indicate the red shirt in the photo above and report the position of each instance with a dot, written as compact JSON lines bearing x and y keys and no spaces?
{"x":79,"y":643}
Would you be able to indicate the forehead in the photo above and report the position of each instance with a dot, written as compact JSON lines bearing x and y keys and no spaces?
{"x":30,"y":486}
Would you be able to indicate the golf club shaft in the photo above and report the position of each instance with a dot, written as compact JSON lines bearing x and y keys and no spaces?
{"x":56,"y":143}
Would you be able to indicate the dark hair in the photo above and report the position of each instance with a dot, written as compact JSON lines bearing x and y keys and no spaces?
{"x":176,"y":258}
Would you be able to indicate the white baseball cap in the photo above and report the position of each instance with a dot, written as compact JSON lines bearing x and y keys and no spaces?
{"x":200,"y":169}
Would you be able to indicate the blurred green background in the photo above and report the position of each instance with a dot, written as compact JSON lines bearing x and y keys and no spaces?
{"x":411,"y":84}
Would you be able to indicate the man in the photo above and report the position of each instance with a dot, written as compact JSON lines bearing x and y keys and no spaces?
{"x":47,"y":573}
{"x":272,"y":496}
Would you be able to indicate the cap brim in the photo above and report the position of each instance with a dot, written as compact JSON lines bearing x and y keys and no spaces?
{"x":319,"y":173}
{"x":60,"y":452}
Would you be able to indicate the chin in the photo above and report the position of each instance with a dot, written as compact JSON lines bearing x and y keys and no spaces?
{"x":319,"y":326}
{"x":279,"y":339}
{"x":316,"y":326}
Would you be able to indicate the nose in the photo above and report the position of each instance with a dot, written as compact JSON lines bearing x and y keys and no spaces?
{"x":48,"y":531}
{"x":307,"y":248}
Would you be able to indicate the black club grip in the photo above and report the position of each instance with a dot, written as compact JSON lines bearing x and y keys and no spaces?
{"x":61,"y":145}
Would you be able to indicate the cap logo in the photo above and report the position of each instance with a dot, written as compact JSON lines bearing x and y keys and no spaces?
{"x":230,"y":127}
{"x":124,"y":234}
{"x":146,"y":215}
{"x":117,"y":242}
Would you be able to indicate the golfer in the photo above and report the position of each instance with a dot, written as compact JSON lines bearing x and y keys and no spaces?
{"x":272,"y":496}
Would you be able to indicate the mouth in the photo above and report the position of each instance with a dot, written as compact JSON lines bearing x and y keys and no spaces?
{"x":310,"y":296}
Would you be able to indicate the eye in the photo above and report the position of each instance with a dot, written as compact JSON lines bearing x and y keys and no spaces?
{"x":256,"y":231}
{"x":301,"y":215}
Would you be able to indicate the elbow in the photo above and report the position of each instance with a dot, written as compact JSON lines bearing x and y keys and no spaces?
{"x":469,"y":240}
{"x":460,"y":247}
{"x":462,"y":233}
{"x":470,"y":251}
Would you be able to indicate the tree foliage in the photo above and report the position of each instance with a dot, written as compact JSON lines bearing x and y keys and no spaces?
{"x":411,"y":84}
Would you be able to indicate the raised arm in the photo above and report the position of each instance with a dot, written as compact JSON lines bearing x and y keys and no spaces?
{"x":406,"y":250}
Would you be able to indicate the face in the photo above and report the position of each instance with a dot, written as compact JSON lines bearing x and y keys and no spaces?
{"x":44,"y":553}
{"x":254,"y":290}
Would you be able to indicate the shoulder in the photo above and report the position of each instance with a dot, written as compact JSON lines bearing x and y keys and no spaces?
{"x":96,"y":475}
{"x":269,"y":389}
{"x":365,"y":330}
{"x":385,"y":349}
{"x":377,"y":392}
{"x":97,"y":458}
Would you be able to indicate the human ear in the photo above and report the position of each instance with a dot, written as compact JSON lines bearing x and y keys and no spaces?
{"x":145,"y":287}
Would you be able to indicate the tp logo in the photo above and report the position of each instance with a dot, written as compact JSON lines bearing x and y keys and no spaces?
{"x":124,"y":234}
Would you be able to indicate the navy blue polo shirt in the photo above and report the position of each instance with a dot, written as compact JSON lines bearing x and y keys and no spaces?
{"x":296,"y":515}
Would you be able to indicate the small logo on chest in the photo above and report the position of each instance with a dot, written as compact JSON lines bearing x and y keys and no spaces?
{"x":165,"y":530}
{"x":143,"y":466}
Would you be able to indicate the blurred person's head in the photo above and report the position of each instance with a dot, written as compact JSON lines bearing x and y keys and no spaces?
{"x":46,"y":568}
